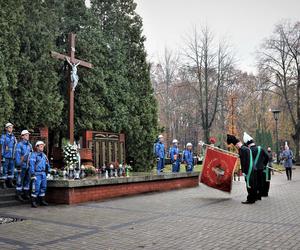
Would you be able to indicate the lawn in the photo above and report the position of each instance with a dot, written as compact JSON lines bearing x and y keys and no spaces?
{"x":168,"y":168}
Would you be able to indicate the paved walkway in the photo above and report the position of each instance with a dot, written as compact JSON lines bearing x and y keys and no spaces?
{"x":195,"y":218}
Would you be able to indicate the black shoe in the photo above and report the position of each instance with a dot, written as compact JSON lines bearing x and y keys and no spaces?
{"x":43,"y":202}
{"x":26,"y":195}
{"x":19,"y":196}
{"x":3,"y":185}
{"x":9,"y":183}
{"x":33,"y":202}
{"x":258,"y":198}
{"x":248,"y":202}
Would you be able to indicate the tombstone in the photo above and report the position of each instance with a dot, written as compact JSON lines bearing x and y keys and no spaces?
{"x":102,"y":147}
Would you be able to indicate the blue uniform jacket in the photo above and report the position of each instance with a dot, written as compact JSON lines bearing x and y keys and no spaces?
{"x":160,"y":150}
{"x":188,"y":157}
{"x":8,"y":142}
{"x":23,"y":149}
{"x":174,"y":151}
{"x":38,"y":163}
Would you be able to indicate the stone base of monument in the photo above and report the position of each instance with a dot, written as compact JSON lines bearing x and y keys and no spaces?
{"x":63,"y":191}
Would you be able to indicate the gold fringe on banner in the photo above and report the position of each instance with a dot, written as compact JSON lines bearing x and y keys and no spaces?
{"x":219,"y":149}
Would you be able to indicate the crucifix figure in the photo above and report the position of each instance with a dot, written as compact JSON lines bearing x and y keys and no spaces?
{"x":72,"y":78}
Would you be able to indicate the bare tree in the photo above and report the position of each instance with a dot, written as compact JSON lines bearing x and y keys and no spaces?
{"x":280,"y":61}
{"x":209,"y":65}
{"x":164,"y":76}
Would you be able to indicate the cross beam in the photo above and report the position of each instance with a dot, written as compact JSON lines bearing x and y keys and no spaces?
{"x":64,"y":57}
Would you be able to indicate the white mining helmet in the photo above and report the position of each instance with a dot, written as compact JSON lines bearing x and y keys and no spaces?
{"x":8,"y":125}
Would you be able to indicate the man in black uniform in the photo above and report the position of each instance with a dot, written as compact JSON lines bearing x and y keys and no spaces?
{"x":252,"y":162}
{"x":267,"y":175}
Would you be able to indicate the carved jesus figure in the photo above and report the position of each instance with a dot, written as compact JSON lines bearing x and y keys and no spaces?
{"x":74,"y":76}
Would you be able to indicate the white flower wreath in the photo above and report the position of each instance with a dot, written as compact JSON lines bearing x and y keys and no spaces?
{"x":70,"y":154}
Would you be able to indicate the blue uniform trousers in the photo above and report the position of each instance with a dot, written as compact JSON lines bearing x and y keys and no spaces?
{"x":23,"y":179}
{"x":8,"y":169}
{"x":176,"y":166}
{"x":39,"y":185}
{"x":160,"y":165}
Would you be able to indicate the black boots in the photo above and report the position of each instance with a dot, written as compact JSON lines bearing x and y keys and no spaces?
{"x":43,"y":202}
{"x":3,"y":184}
{"x":26,"y":195}
{"x":19,"y":196}
{"x":33,"y":202}
{"x":9,"y":183}
{"x":248,"y":202}
{"x":23,"y":197}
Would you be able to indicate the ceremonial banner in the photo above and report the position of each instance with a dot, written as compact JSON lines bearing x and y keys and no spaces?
{"x":218,"y":169}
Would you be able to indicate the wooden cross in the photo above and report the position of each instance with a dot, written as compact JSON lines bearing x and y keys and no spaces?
{"x":71,"y":58}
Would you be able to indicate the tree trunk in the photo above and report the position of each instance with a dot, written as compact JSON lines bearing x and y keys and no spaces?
{"x":296,"y":138}
{"x":206,"y":134}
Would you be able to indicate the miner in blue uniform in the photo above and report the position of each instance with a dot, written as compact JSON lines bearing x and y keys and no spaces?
{"x":23,"y":152}
{"x":39,"y":168}
{"x":160,"y":154}
{"x":188,"y":157}
{"x":174,"y":155}
{"x":8,"y":145}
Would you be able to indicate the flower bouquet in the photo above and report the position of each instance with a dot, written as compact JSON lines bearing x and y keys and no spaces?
{"x":71,"y":159}
{"x":89,"y":170}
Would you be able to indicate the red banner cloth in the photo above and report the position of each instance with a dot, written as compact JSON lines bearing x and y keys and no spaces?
{"x":218,"y":169}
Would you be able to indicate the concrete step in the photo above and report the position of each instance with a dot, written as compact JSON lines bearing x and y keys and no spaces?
{"x":13,"y":203}
{"x":7,"y":191}
{"x":7,"y":197}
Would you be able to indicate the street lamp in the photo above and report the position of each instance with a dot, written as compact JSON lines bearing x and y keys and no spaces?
{"x":276,"y":116}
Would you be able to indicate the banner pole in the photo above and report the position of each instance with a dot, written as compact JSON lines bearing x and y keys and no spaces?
{"x":220,"y":149}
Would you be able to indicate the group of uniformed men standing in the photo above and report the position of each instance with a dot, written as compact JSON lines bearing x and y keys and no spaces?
{"x":176,"y":157}
{"x":31,"y":166}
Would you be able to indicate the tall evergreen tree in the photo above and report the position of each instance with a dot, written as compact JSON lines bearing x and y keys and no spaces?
{"x":37,"y":100}
{"x":11,"y":17}
{"x":263,"y":138}
{"x":130,"y":97}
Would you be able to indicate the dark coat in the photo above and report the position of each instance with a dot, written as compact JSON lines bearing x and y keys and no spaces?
{"x":244,"y":153}
{"x":263,"y":157}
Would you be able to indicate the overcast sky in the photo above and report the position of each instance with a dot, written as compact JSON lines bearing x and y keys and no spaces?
{"x":245,"y":23}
